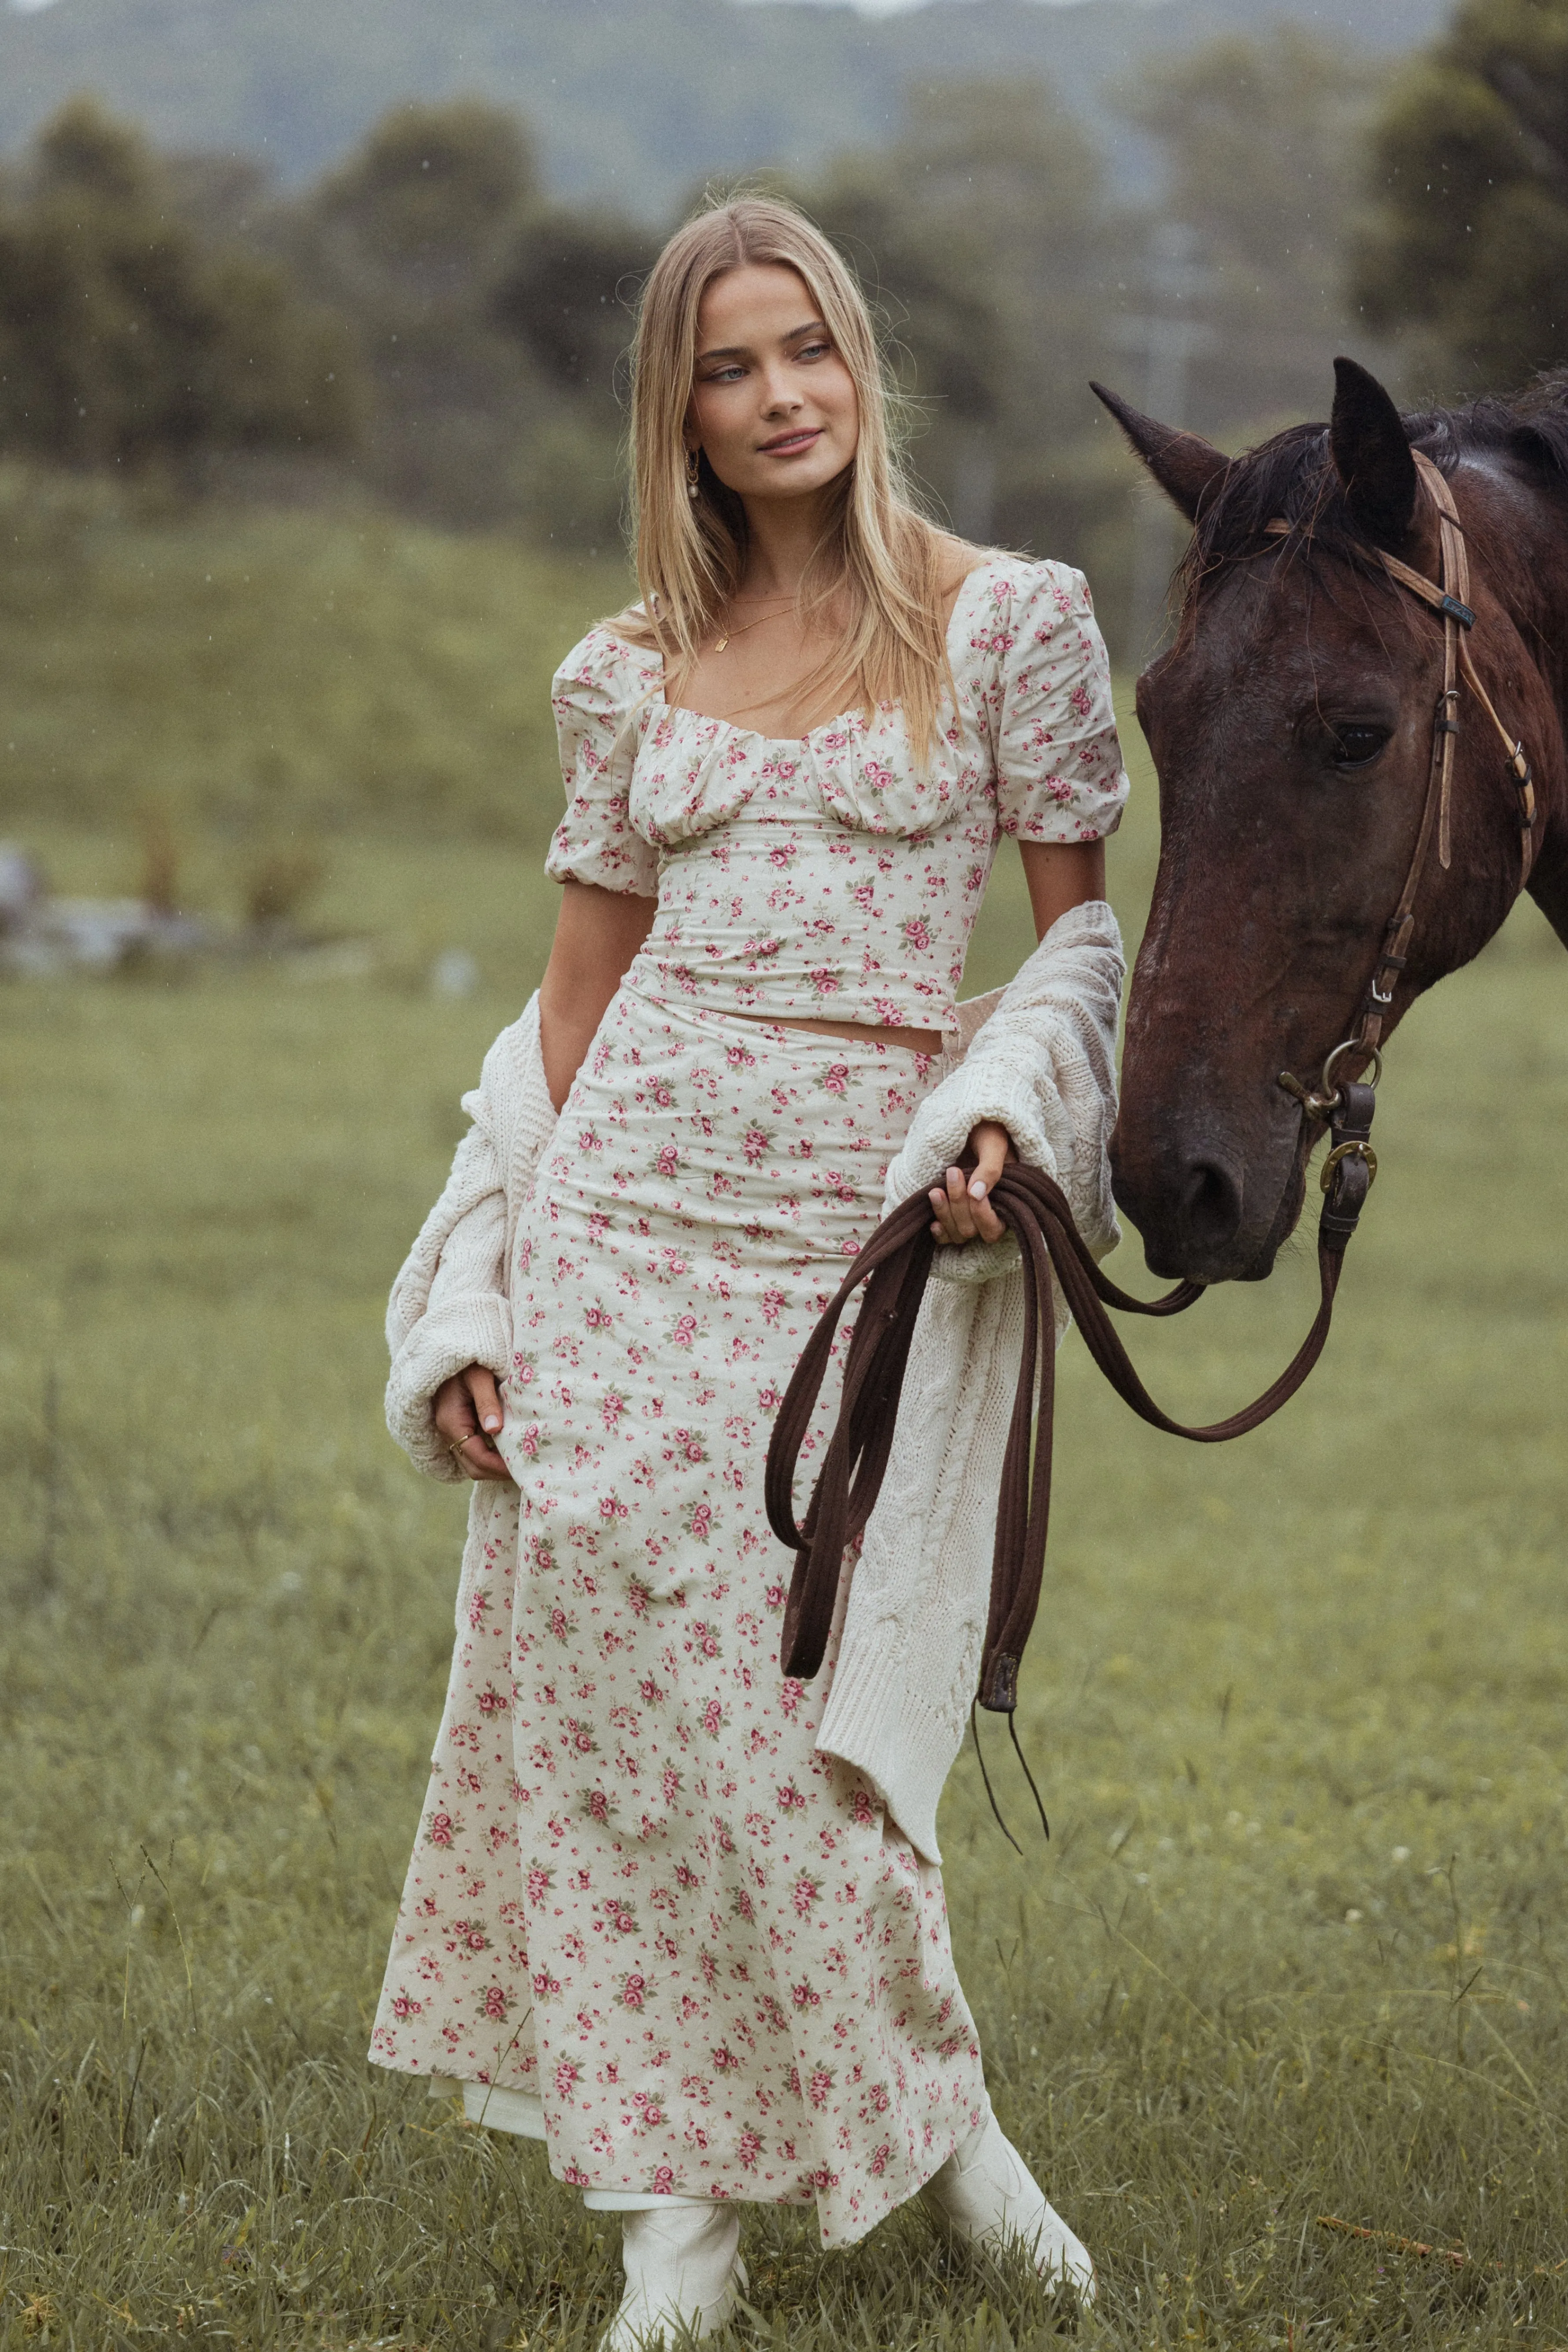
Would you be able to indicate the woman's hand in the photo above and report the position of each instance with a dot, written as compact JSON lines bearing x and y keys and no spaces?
{"x":963,"y":1211}
{"x":468,"y":1415}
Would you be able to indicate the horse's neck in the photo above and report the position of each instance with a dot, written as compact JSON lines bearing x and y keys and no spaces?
{"x":1520,"y":550}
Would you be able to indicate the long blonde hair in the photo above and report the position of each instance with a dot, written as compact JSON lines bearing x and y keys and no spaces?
{"x":878,"y":564}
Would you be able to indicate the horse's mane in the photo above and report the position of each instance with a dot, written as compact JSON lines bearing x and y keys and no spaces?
{"x":1293,"y":476}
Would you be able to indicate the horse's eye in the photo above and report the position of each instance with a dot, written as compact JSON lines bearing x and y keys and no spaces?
{"x":1355,"y":746}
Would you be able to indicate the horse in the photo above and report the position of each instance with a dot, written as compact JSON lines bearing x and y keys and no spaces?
{"x":1322,"y":727}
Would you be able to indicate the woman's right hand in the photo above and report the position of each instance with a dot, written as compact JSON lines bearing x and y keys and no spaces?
{"x":468,"y":1414}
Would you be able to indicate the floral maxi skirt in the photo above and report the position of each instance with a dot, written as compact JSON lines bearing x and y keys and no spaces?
{"x":638,"y":1891}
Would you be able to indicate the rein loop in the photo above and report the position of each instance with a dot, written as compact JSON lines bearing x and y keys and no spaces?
{"x":894,"y":1265}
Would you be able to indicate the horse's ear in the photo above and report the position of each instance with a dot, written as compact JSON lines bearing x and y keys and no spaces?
{"x":1372,"y":456}
{"x":1185,"y":467}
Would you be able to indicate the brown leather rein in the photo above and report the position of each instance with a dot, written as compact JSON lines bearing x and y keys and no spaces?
{"x":896,"y":1262}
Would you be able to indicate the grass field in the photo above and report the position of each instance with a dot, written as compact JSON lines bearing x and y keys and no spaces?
{"x":258,"y":676}
{"x":1295,"y":1949}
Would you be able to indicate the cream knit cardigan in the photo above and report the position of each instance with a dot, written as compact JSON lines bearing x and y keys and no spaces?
{"x":1039,"y":1056}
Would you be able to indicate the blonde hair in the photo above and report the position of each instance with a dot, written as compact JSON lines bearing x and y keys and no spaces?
{"x":878,"y":564}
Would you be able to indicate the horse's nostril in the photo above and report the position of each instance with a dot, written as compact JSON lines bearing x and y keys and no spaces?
{"x":1211,"y":1206}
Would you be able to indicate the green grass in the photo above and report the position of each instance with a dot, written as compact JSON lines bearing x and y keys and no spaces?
{"x":277,"y":675}
{"x":1298,"y":1706}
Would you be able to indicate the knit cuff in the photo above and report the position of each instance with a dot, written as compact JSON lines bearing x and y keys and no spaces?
{"x":474,"y":1328}
{"x":877,"y":1722}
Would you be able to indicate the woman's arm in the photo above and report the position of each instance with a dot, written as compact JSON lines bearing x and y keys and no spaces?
{"x":597,"y":933}
{"x":1060,"y":875}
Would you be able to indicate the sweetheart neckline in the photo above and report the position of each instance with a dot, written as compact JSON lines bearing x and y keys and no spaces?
{"x":656,"y":701}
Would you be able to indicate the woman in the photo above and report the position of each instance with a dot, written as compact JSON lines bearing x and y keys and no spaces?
{"x":645,"y":1920}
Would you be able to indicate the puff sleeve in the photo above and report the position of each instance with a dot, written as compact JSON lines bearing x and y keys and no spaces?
{"x":1059,"y":776}
{"x":595,"y":695}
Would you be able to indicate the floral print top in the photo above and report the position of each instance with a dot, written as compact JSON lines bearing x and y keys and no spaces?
{"x":837,"y":874}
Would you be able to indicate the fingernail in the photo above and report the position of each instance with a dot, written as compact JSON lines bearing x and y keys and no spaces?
{"x":490,"y":1421}
{"x":977,"y":1189}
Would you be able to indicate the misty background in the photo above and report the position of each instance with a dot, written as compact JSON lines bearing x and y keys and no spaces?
{"x":289,"y":286}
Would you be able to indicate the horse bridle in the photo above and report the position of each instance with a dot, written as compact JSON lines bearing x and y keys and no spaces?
{"x":1448,"y":596}
{"x":896,"y":1262}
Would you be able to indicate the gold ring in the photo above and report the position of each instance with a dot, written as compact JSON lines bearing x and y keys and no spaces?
{"x":455,"y":1448}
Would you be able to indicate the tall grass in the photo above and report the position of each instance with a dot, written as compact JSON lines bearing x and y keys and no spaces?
{"x":1296,"y":1949}
{"x":274,"y":672}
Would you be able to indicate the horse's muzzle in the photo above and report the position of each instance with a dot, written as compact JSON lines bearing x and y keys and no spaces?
{"x":1207,"y":1210}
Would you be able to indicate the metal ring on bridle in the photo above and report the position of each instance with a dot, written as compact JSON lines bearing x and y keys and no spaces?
{"x":1351,"y":1045}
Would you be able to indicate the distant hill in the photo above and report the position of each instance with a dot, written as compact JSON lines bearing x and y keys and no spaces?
{"x":635,"y":102}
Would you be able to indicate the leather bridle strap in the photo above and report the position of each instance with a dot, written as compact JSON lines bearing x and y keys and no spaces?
{"x":894,"y":1265}
{"x":1449,"y":597}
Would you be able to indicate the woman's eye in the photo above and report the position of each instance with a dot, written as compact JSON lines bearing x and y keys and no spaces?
{"x":814,"y":351}
{"x":1355,"y":746}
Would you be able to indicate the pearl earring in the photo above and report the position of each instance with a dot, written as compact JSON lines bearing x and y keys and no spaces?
{"x":693,"y":466}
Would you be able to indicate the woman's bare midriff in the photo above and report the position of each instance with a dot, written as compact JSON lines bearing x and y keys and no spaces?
{"x":860,"y":1033}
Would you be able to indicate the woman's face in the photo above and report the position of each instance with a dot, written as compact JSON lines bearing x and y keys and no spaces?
{"x":773,"y":405}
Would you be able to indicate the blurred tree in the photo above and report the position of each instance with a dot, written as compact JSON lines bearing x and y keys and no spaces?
{"x":1262,"y":142}
{"x":430,"y":197}
{"x":404,"y":241}
{"x":567,"y":290}
{"x":124,"y":340}
{"x":983,"y":236}
{"x":1466,"y":247}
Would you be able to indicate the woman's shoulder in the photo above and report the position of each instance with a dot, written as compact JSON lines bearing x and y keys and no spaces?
{"x":609,"y":670}
{"x":997,"y":576}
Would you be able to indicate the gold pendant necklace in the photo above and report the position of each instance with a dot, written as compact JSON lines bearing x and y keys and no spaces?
{"x":757,"y":624}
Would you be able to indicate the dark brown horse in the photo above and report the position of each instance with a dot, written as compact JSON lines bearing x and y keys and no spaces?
{"x":1291,"y":724}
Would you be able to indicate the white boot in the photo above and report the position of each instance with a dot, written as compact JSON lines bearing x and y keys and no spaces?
{"x":682,"y":2276}
{"x":986,"y":2195}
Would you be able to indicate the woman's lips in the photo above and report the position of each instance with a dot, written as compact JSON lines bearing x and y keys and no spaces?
{"x":788,"y":444}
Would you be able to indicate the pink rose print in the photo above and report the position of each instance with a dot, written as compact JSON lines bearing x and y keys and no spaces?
{"x":717,"y":1898}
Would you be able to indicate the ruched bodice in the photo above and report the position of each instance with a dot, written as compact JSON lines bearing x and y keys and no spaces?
{"x":838,"y":876}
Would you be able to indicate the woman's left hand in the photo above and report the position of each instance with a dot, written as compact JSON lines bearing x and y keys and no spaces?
{"x":961,"y":1209}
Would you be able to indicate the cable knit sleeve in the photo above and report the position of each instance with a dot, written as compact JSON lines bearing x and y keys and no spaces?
{"x":1044,"y":1065}
{"x":594,"y":697}
{"x":1059,"y":776}
{"x":450,"y":1306}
